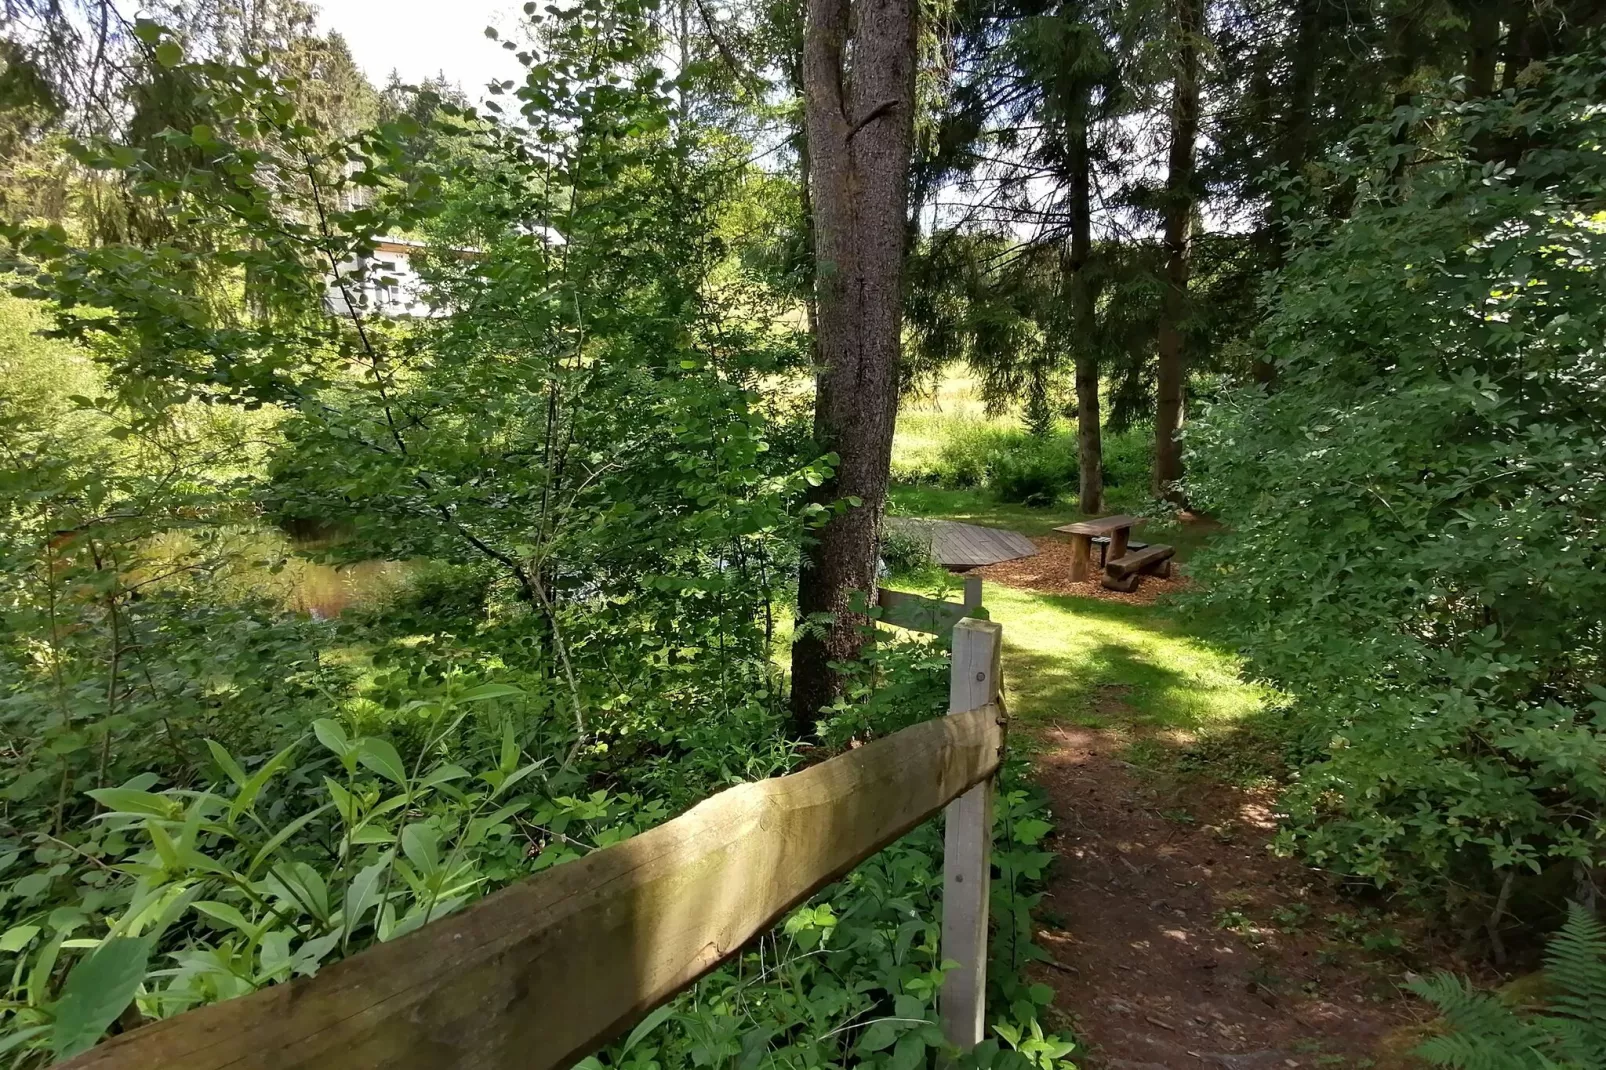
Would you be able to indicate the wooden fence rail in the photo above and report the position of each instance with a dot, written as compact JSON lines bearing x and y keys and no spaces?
{"x":546,"y":971}
{"x":921,"y":614}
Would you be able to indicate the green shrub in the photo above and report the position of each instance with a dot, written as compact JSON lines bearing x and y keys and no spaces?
{"x":1416,"y":548}
{"x":905,"y":551}
{"x":1032,"y":475}
{"x":1129,"y":457}
{"x":965,"y":457}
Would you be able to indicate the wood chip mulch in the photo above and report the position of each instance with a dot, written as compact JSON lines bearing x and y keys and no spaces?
{"x":1049,"y":571}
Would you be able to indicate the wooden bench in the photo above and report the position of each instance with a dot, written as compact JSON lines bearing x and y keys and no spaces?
{"x":1122,"y":573}
{"x":1103,"y":543}
{"x":1117,"y":529}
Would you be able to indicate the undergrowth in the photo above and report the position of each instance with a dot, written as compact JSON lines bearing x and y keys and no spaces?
{"x":1567,"y":1033}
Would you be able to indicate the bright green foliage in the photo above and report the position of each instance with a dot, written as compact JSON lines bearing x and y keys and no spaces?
{"x":851,"y":980}
{"x":1487,"y":1033}
{"x":1416,"y":546}
{"x":592,"y":505}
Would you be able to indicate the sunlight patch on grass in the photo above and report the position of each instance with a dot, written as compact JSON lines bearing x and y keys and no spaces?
{"x":1115,"y":665}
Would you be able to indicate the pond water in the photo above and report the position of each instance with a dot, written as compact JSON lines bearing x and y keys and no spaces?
{"x":326,"y":591}
{"x":259,"y":562}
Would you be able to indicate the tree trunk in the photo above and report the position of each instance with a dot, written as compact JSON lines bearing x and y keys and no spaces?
{"x":1483,"y":47}
{"x":859,"y":119}
{"x":1178,"y":212}
{"x":1293,"y":136}
{"x":1515,"y":57}
{"x":1089,"y":444}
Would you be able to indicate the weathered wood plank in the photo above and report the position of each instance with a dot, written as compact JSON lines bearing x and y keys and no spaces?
{"x":545,"y":971}
{"x":919,"y":613}
{"x":967,"y":847}
{"x":1125,"y":584}
{"x":1104,"y":525}
{"x":1081,"y":554}
{"x":956,"y":545}
{"x":1144,"y":560}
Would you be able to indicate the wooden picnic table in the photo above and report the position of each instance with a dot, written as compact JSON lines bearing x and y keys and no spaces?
{"x":1118,"y":528}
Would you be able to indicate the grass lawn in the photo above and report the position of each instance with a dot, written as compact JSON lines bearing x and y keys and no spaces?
{"x":1108,"y":664}
{"x":1088,"y":661}
{"x":975,"y":506}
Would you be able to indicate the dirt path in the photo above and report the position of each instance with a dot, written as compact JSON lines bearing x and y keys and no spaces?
{"x":1182,"y":943}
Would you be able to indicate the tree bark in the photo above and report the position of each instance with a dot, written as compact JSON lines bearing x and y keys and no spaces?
{"x":1515,"y":56}
{"x":1178,"y":218}
{"x":1293,"y":137}
{"x":1089,"y":443}
{"x":859,"y":119}
{"x":1483,"y":47}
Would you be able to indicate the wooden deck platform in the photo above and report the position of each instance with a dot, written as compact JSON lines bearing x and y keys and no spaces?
{"x":961,"y":546}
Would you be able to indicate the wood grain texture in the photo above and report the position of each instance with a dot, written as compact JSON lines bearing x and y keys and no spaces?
{"x":974,"y":682}
{"x":1104,"y":525}
{"x":957,"y":545}
{"x":1081,"y":554}
{"x":919,"y":613}
{"x":547,"y":970}
{"x":1125,"y":584}
{"x":1147,"y":559}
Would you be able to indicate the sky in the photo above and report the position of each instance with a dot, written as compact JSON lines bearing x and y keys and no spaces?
{"x":423,"y":38}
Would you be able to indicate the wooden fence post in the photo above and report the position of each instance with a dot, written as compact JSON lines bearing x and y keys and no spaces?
{"x":972,"y":592}
{"x":967,"y":846}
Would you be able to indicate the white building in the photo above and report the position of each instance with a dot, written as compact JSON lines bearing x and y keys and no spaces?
{"x":384,"y":284}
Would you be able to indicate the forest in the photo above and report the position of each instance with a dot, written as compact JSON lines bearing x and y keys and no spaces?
{"x":411,"y":488}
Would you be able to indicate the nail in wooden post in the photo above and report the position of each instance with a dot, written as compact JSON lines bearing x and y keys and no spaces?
{"x":967,"y":848}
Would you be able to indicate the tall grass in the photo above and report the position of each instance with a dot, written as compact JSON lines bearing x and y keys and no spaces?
{"x":947,"y":439}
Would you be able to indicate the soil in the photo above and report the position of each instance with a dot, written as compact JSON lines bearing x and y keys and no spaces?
{"x":1179,"y":940}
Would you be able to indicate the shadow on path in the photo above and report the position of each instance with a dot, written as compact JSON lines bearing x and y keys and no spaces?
{"x":1180,"y":942}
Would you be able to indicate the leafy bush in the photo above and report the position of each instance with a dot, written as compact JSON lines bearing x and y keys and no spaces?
{"x":965,"y":457}
{"x":1129,"y":458}
{"x":1032,"y":469}
{"x":904,"y":550}
{"x":1487,"y":1033}
{"x":1416,"y":549}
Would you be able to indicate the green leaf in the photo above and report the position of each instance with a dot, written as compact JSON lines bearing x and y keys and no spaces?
{"x":421,"y":845}
{"x":880,"y":1035}
{"x":332,"y":736}
{"x":648,"y":1024}
{"x":169,"y":54}
{"x":517,"y":776}
{"x":909,"y":1054}
{"x":259,"y":780}
{"x":97,"y":990}
{"x":225,"y":761}
{"x":380,"y":756}
{"x":225,"y":913}
{"x":129,"y":801}
{"x":443,"y":774}
{"x":17,"y":937}
{"x":283,"y":834}
{"x":363,"y":892}
{"x":489,"y":691}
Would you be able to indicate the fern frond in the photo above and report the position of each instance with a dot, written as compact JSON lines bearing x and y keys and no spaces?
{"x":1465,"y":1051}
{"x":1485,"y":1033}
{"x":1573,"y":1043}
{"x":1575,"y":965}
